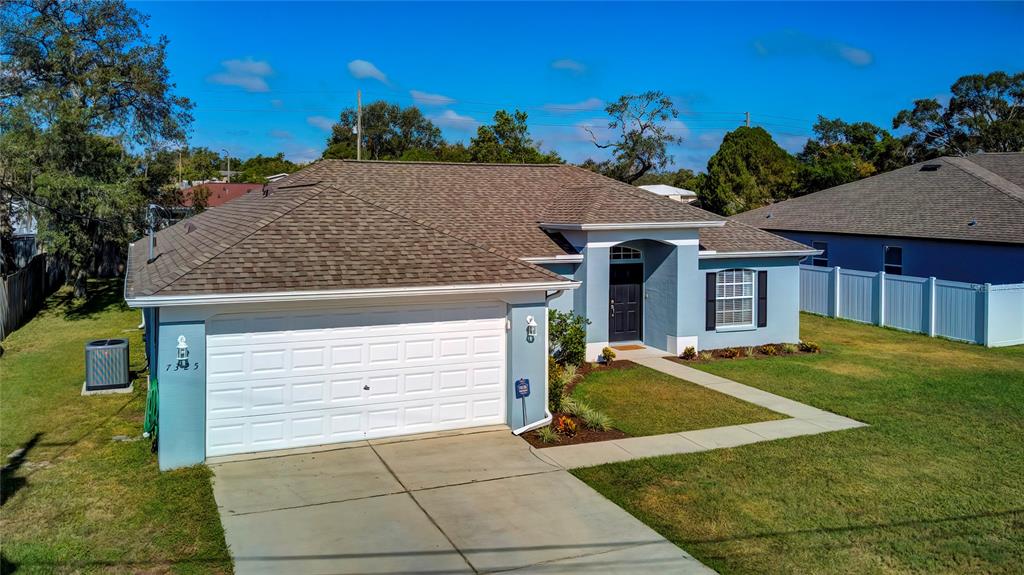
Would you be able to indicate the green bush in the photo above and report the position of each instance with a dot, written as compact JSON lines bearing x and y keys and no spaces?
{"x":557,"y":382}
{"x":789,"y":348}
{"x":689,"y":354}
{"x":748,"y":351}
{"x":769,"y":349}
{"x":704,"y":355}
{"x":729,"y":352}
{"x":567,"y":334}
{"x":591,"y":418}
{"x":810,"y":347}
{"x":548,"y":435}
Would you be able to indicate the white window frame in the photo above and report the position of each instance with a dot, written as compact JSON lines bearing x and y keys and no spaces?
{"x":625,"y":254}
{"x":886,"y":265}
{"x":747,"y":277}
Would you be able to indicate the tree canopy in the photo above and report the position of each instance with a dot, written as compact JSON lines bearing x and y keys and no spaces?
{"x":508,"y":141}
{"x":748,"y":171}
{"x":985,"y":113}
{"x":83,"y":85}
{"x":643,"y":136}
{"x":389,"y":132}
{"x":257,"y":168}
{"x":842,"y":152}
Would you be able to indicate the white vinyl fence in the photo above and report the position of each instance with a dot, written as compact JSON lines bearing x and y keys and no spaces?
{"x":986,"y":314}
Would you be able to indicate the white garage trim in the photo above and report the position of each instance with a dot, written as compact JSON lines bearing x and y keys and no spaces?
{"x":298,"y":378}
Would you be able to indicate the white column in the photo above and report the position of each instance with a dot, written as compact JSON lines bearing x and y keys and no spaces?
{"x":881,"y":298}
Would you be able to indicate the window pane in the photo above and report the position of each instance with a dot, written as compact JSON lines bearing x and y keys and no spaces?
{"x":734,"y":303}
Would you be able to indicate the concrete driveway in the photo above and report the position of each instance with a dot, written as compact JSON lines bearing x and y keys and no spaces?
{"x":475,"y":502}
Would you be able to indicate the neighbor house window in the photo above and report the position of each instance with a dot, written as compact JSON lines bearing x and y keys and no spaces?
{"x":893,"y":260}
{"x":734,"y":298}
{"x":820,"y":260}
{"x":620,"y":253}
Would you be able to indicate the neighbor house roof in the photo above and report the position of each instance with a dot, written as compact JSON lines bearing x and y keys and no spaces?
{"x":341,"y":224}
{"x":667,"y":190}
{"x":978,"y":198}
{"x":219,"y":192}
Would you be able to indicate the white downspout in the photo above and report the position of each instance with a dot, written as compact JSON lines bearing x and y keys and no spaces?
{"x":547,"y":343}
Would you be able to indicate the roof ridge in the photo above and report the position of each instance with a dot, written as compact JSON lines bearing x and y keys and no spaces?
{"x":433,"y":227}
{"x":207,"y":260}
{"x":991,"y":178}
{"x":430,"y":163}
{"x":636,"y":192}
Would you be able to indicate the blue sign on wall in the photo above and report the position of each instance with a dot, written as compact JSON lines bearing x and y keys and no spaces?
{"x":522,"y":388}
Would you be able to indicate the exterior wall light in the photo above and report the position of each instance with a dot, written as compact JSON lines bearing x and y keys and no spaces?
{"x":182,"y":352}
{"x":531,"y":328}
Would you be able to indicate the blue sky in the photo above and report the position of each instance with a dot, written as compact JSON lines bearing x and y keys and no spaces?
{"x":269,"y":77}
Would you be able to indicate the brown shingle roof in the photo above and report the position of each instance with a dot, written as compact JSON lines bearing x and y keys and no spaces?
{"x":911,"y":202}
{"x":343,"y":224}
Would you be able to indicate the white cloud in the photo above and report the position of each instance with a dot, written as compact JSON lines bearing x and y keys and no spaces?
{"x":796,"y":43}
{"x":248,"y":74}
{"x":454,"y":120}
{"x":428,"y":99}
{"x":569,"y":65}
{"x":277,"y":103}
{"x":588,"y":104}
{"x":362,"y":69}
{"x":678,"y":128}
{"x":322,"y":122}
{"x":597,"y":126}
{"x":281,"y":134}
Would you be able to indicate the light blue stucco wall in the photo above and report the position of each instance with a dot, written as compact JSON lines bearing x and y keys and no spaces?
{"x":182,"y":438}
{"x":564,"y":302}
{"x":659,"y":292}
{"x":783,"y":304}
{"x":527,"y":359}
{"x":955,"y":261}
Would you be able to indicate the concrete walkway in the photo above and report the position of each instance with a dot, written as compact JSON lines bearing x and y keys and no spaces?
{"x":474,"y":502}
{"x":805,"y":420}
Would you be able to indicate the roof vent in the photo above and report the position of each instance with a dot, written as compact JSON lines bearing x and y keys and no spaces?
{"x":190,"y":227}
{"x":769,"y":215}
{"x":931,"y":167}
{"x":972,"y":223}
{"x":266,"y":190}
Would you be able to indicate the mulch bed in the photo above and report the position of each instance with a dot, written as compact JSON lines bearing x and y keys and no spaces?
{"x":583,"y":435}
{"x":728,"y":353}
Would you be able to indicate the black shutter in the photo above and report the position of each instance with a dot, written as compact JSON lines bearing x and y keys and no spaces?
{"x":709,"y":309}
{"x":762,"y":298}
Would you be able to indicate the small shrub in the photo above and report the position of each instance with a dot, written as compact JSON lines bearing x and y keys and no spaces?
{"x":689,"y":354}
{"x":769,"y":349}
{"x":572,"y":406}
{"x":567,"y":334}
{"x":557,"y":382}
{"x":595,"y":419}
{"x":810,"y":347}
{"x":748,"y":351}
{"x":548,"y":435}
{"x":704,"y":355}
{"x":608,"y":354}
{"x":571,"y":373}
{"x":729,"y":352}
{"x":789,"y":348}
{"x":565,"y":426}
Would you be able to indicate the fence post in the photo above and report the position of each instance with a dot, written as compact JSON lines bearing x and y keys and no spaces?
{"x":931,"y":306}
{"x":835,"y":294}
{"x":881,"y":298}
{"x":985,"y":340}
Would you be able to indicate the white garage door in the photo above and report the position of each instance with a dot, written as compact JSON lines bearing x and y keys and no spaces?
{"x":278,"y":380}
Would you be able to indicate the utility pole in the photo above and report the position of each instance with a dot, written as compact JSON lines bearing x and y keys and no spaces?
{"x":227,"y":155}
{"x":747,"y":114}
{"x":359,"y":124}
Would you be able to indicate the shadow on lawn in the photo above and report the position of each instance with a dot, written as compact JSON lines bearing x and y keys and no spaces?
{"x":9,"y":484}
{"x":102,"y":294}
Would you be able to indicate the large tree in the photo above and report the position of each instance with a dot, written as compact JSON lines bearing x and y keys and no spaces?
{"x":82,"y":86}
{"x":842,"y":152}
{"x":748,"y":171}
{"x":985,"y":113}
{"x":508,"y":141}
{"x":389,"y":132}
{"x":257,"y":168}
{"x":681,"y":178}
{"x":640,"y":123}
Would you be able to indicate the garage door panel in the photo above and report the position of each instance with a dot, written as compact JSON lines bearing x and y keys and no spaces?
{"x":278,"y":380}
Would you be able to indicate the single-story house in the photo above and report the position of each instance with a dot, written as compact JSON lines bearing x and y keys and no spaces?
{"x":671,"y":192}
{"x":952,"y":218}
{"x":356,"y":300}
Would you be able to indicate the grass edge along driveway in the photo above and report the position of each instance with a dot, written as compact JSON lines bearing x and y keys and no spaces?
{"x":81,"y":501}
{"x":933,"y":485}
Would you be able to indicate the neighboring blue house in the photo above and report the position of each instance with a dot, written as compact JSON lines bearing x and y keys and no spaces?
{"x":356,"y":300}
{"x":958,"y":219}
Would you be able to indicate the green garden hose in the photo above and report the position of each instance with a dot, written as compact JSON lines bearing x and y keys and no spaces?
{"x":151,"y":425}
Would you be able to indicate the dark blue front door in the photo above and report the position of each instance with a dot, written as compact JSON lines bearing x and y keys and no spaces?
{"x":625,"y":306}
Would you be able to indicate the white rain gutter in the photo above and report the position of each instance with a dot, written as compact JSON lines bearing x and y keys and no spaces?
{"x":271,"y":297}
{"x":634,"y":226}
{"x":713,"y":255}
{"x":564,"y":259}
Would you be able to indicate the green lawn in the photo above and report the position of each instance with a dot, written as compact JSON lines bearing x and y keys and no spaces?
{"x":642,"y":401}
{"x":934,"y":485}
{"x":81,"y":502}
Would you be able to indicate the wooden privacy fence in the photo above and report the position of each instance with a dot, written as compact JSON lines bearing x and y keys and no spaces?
{"x":23,"y":292}
{"x":986,"y":314}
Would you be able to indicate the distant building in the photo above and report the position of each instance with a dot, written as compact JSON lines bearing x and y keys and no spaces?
{"x":671,"y":192}
{"x":953,"y":218}
{"x":219,"y":192}
{"x":276,"y":177}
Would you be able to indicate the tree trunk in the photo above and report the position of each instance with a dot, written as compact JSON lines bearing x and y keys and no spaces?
{"x":80,"y":283}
